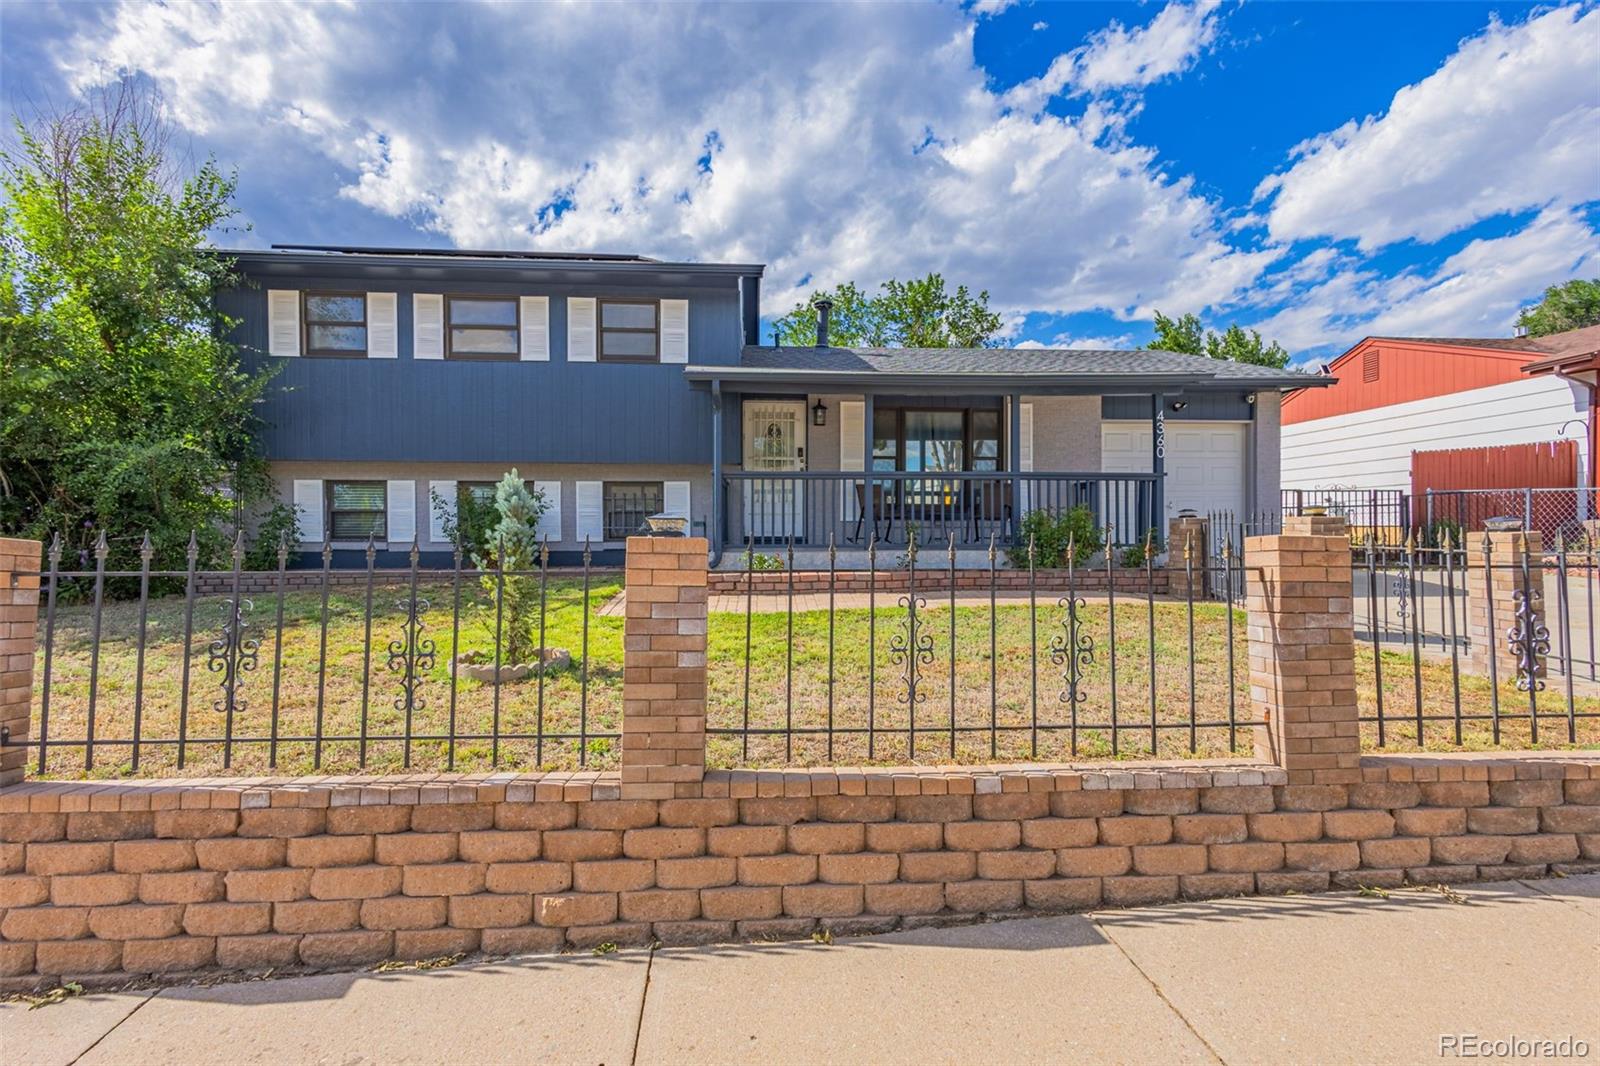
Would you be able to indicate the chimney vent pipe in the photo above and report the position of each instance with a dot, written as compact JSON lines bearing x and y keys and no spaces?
{"x":824,"y":308}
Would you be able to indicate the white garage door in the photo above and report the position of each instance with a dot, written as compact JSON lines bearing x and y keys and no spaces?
{"x":1205,"y":462}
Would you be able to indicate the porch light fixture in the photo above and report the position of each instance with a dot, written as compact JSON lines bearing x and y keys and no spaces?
{"x":819,"y":414}
{"x":1178,"y":405}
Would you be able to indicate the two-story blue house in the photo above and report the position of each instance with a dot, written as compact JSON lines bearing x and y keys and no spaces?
{"x":622,"y":386}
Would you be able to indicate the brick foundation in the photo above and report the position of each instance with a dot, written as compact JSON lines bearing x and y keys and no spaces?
{"x":265,"y":582}
{"x":935,"y":580}
{"x":105,"y":882}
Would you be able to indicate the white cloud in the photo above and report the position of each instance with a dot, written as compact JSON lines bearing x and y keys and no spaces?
{"x":1474,"y":293}
{"x":1510,"y":122}
{"x":1040,"y":25}
{"x":1117,"y":58}
{"x":870,"y":147}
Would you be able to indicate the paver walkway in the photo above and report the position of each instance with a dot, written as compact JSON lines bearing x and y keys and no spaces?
{"x":1317,"y":979}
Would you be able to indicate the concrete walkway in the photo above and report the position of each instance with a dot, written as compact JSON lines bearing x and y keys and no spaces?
{"x":1323,"y":979}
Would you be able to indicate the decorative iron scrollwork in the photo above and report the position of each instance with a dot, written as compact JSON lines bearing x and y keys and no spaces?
{"x":411,"y":655}
{"x":1528,"y":640}
{"x":911,"y":648}
{"x":1072,"y":649}
{"x":233,"y":654}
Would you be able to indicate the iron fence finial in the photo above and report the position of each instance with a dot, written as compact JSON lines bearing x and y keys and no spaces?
{"x":372,"y":549}
{"x":193,"y":552}
{"x":147,"y":550}
{"x":416,"y":552}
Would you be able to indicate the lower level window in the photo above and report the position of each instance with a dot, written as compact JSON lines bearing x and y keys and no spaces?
{"x":628,"y":504}
{"x":358,"y":510}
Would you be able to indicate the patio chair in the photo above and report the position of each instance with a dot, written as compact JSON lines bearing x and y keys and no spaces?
{"x":882,"y":510}
{"x":990,"y":502}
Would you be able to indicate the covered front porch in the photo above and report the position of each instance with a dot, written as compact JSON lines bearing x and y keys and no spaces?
{"x":818,"y":448}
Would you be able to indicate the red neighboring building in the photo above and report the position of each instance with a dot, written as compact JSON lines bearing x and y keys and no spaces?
{"x":1413,"y":413}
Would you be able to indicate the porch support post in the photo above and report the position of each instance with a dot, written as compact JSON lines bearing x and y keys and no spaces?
{"x":1014,"y":462}
{"x":1158,"y":460}
{"x":867,"y":502}
{"x":718,"y":519}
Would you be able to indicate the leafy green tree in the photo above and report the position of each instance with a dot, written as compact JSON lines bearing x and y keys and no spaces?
{"x":1185,"y":334}
{"x":122,"y":408}
{"x":1570,"y":306}
{"x":1241,"y":347}
{"x":921,"y":313}
{"x":514,"y":546}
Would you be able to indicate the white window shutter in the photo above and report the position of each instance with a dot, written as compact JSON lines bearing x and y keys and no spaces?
{"x":446,"y":508}
{"x":591,"y":511}
{"x":852,"y":452}
{"x":308,"y":502}
{"x":581,"y":330}
{"x":427,"y":326}
{"x":674,"y":331}
{"x":535,"y":314}
{"x":675,"y":498}
{"x":1025,"y":457}
{"x":383,"y":331}
{"x":402,"y":501}
{"x":283,"y":322}
{"x":550,"y":521}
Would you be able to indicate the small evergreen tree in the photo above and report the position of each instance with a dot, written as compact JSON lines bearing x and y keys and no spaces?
{"x":514,"y":546}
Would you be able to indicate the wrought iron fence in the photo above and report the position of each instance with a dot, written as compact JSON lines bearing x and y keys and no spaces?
{"x":367,"y":668}
{"x":918,"y":658}
{"x":1477,"y":643}
{"x":1385,"y":514}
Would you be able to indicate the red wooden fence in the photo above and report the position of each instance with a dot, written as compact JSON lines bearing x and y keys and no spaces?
{"x":1549,"y":464}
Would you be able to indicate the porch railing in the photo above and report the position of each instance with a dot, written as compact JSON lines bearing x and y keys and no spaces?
{"x":809,"y":508}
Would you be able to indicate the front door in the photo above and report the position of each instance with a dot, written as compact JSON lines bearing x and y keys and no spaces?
{"x":774,"y":443}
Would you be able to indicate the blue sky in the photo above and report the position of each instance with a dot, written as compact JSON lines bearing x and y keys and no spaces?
{"x":1320,"y":171}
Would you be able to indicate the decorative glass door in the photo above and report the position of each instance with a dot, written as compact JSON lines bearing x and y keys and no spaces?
{"x":774,"y":433}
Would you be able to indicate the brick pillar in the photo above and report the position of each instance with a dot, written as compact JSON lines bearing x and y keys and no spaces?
{"x":1194,"y":531}
{"x":1506,"y":551}
{"x":1302,"y":649}
{"x":19,"y":616}
{"x":664,"y":668}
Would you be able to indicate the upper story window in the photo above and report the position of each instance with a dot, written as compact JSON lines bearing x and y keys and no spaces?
{"x":630,"y":331}
{"x":358,"y":510}
{"x":481,"y":327}
{"x":336,"y":324}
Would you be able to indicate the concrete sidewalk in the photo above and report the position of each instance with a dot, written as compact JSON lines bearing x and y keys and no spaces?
{"x":1325,"y":979}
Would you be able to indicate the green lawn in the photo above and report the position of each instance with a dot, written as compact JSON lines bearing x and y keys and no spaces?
{"x":1012,"y":689}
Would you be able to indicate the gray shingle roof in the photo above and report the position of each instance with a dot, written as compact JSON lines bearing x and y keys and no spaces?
{"x":989,"y":362}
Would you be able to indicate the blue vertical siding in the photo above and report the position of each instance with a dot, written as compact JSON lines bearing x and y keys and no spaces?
{"x":1219,"y":406}
{"x":448,"y":411}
